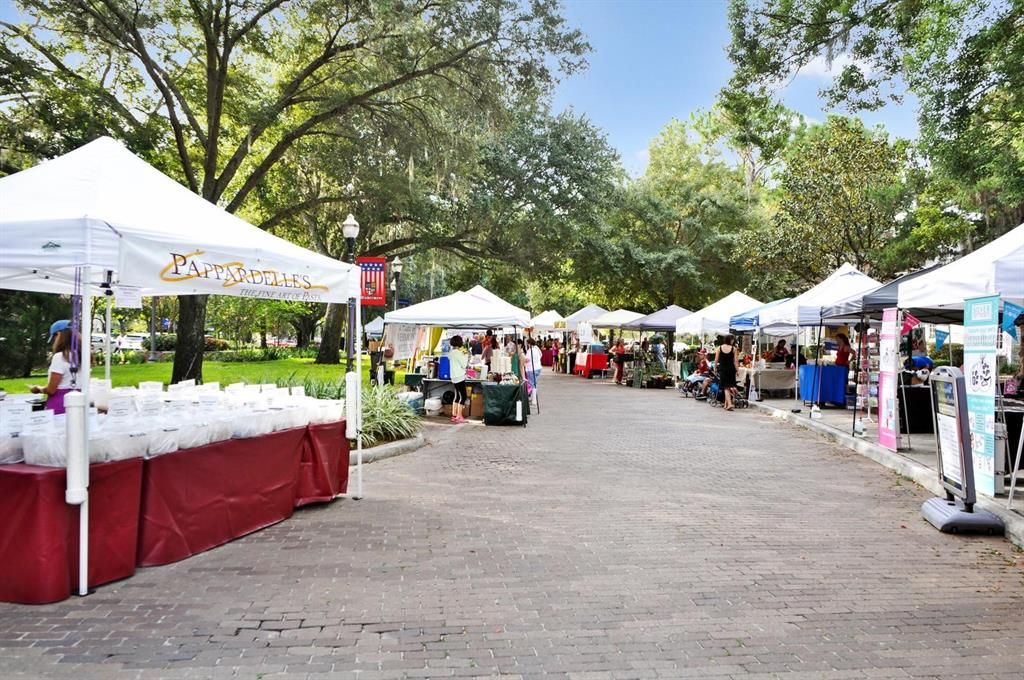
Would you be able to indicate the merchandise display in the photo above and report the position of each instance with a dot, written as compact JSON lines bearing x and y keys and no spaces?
{"x":144,"y":422}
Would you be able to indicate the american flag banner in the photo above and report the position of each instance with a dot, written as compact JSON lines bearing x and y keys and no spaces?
{"x":374,"y":277}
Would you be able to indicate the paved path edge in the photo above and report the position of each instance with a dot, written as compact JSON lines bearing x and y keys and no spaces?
{"x":909,"y":468}
{"x":389,"y":450}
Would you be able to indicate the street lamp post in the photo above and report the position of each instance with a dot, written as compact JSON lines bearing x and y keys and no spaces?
{"x":396,"y":266}
{"x":350,"y":229}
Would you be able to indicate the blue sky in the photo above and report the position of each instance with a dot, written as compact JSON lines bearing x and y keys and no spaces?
{"x":654,"y":60}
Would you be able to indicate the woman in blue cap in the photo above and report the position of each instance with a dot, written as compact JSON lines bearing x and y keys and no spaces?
{"x":63,"y":367}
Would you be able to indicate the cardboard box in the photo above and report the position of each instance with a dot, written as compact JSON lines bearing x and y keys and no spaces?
{"x":476,"y":405}
{"x":446,"y":410}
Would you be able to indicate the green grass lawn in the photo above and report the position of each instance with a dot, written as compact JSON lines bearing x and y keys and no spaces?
{"x":213,"y":371}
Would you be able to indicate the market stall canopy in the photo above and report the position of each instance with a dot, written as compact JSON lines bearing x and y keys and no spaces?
{"x":715,"y":317}
{"x":994,"y":269}
{"x":661,"y":320}
{"x":464,"y":309}
{"x":617,"y":319}
{"x":375,"y":328}
{"x":805,"y":309}
{"x":548,"y":321}
{"x":102,"y":206}
{"x":871,"y":303}
{"x":588,"y":313}
{"x":747,"y":321}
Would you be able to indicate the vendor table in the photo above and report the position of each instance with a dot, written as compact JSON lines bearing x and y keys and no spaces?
{"x":431,"y":386}
{"x":770,"y":379}
{"x":196,"y":499}
{"x":915,"y":410}
{"x":323,"y":470}
{"x":39,"y":532}
{"x":824,"y":383}
{"x":587,"y":363}
{"x":500,"y":404}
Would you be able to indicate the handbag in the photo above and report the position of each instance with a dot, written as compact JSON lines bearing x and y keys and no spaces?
{"x":1010,"y":387}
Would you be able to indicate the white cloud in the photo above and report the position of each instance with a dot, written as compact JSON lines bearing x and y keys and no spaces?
{"x":820,"y":68}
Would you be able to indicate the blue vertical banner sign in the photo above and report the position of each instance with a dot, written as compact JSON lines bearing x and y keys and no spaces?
{"x":940,"y":339}
{"x":981,"y":330}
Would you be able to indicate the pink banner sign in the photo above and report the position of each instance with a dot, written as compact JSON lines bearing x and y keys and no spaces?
{"x":888,"y":350}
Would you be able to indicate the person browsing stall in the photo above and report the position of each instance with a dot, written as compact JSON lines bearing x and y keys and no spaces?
{"x":780,"y":354}
{"x":458,"y":361}
{"x":726,"y":364}
{"x":61,"y":375}
{"x":843,"y":351}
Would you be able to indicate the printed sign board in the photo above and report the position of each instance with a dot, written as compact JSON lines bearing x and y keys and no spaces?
{"x":952,"y":437}
{"x":888,"y":349}
{"x":981,"y":331}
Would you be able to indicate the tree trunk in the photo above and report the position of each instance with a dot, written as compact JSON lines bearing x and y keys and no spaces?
{"x":188,"y":354}
{"x":330,"y":343}
{"x":263,"y":334}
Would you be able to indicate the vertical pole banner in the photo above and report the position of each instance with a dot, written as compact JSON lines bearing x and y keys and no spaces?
{"x":888,"y":366}
{"x":981,"y":328}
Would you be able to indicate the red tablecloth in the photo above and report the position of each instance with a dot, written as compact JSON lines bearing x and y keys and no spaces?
{"x":39,"y":531}
{"x":197,"y":499}
{"x":324,"y":468}
{"x":591,"y":362}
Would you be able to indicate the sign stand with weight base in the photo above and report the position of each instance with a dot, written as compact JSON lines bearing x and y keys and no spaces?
{"x":956,"y":513}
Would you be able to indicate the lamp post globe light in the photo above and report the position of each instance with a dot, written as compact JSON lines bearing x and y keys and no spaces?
{"x":350,"y":229}
{"x":396,"y":266}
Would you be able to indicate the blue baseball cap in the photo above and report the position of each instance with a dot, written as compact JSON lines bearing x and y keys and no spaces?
{"x":58,"y":326}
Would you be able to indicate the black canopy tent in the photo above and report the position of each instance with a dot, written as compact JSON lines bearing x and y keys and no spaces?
{"x":869,"y":305}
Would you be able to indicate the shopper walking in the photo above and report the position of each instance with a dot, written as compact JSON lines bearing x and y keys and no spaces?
{"x":533,"y":365}
{"x":726,"y":365}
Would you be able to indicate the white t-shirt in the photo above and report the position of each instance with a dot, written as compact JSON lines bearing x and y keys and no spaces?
{"x":58,"y":364}
{"x":533,"y":359}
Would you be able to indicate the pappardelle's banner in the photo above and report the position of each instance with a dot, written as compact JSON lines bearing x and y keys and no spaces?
{"x":981,"y":330}
{"x":175,"y":269}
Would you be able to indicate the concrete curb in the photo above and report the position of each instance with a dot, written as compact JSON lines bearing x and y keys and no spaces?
{"x":923,"y":476}
{"x":389,"y":450}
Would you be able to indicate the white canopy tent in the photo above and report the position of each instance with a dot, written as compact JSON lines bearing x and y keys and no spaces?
{"x":102,"y":207}
{"x":588,"y":313}
{"x":375,"y":328}
{"x":617,"y":319}
{"x":100,"y":215}
{"x":475,"y":308}
{"x":545,"y":321}
{"x":715,"y":317}
{"x":996,"y":268}
{"x":805,"y":309}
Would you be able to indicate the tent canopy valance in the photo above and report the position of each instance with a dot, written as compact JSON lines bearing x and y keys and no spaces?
{"x":662,"y":320}
{"x":869,"y":304}
{"x":617,"y":319}
{"x":805,"y":309}
{"x":103,"y":207}
{"x":548,"y":321}
{"x":375,"y":328}
{"x":715,"y":317}
{"x":475,"y":308}
{"x":996,"y":268}
{"x":746,"y":322}
{"x":588,"y":313}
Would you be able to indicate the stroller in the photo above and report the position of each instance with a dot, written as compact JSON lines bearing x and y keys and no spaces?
{"x":716,"y":395}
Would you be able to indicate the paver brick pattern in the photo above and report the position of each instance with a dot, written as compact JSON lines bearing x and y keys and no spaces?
{"x":623,"y":534}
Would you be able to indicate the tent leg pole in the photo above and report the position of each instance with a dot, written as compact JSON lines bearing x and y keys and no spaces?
{"x":1016,"y":465}
{"x":106,"y":341}
{"x":85,"y":373}
{"x":796,"y":367}
{"x":357,"y":333}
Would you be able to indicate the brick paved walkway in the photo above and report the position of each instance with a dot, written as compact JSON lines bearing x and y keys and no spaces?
{"x":623,"y":534}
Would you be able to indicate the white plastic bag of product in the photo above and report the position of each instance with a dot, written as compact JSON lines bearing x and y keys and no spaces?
{"x":220,"y":427}
{"x":151,"y":386}
{"x":47,"y":448}
{"x":99,"y":393}
{"x":196,"y":434}
{"x":99,"y":446}
{"x":11,"y":450}
{"x":162,"y":440}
